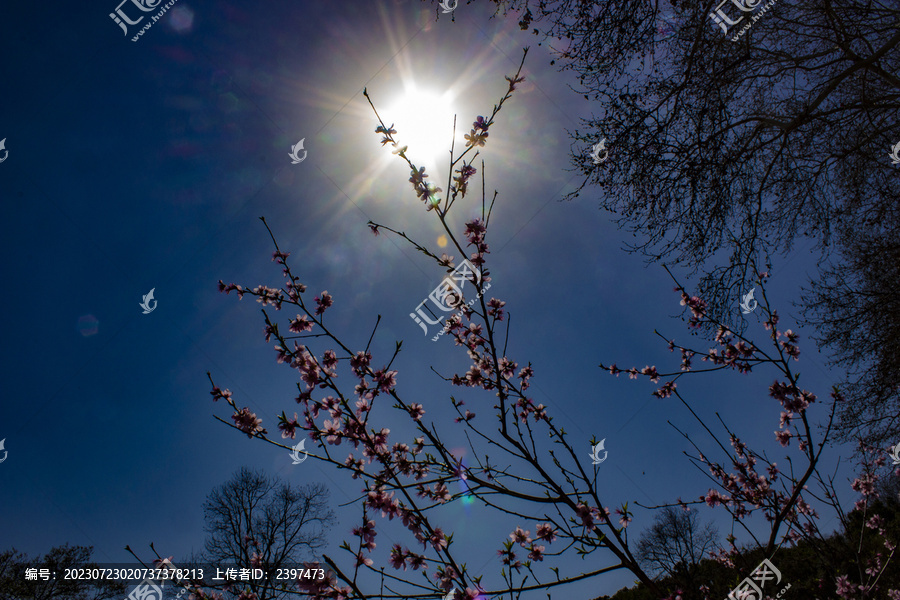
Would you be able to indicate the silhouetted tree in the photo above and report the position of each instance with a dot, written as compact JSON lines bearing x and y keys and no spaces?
{"x":727,"y":148}
{"x":740,"y":146}
{"x":14,"y":586}
{"x":258,"y":520}
{"x":675,"y":544}
{"x":856,"y":309}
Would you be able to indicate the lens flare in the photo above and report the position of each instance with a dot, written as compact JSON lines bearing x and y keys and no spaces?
{"x":88,"y":325}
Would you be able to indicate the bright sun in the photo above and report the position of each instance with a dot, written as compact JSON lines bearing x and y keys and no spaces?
{"x":424,"y":122}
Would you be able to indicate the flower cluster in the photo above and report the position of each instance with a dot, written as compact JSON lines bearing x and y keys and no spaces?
{"x":388,"y":133}
{"x":248,"y":422}
{"x":461,"y":181}
{"x":697,"y":305}
{"x":325,"y":588}
{"x":479,"y":133}
{"x":475,"y":234}
{"x":427,"y":192}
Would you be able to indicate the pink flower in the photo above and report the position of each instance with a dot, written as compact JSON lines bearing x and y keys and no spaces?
{"x":537,"y":553}
{"x":697,"y":306}
{"x":356,"y":465}
{"x":418,"y":177}
{"x":521,"y":537}
{"x":546,"y":532}
{"x":266,"y":295}
{"x":585,"y":514}
{"x":366,"y":533}
{"x":525,"y":374}
{"x":786,"y":417}
{"x":398,"y":557}
{"x":386,"y":380}
{"x":865,"y":485}
{"x":416,"y":411}
{"x":467,"y":417}
{"x":783,"y":437}
{"x":666,"y":390}
{"x":247,"y":422}
{"x":495,"y":308}
{"x":231,"y":286}
{"x":416,"y":561}
{"x":466,"y":172}
{"x":474,"y":377}
{"x":438,"y":540}
{"x":324,"y":302}
{"x":333,"y":431}
{"x":441,"y":494}
{"x":507,"y":367}
{"x":329,"y":359}
{"x":475,"y":139}
{"x":359,"y":362}
{"x":625,"y":518}
{"x":475,"y":231}
{"x":295,"y":288}
{"x":287,"y":427}
{"x":380,"y":500}
{"x":509,"y":557}
{"x":714,"y":498}
{"x":217,"y":393}
{"x":844,"y":587}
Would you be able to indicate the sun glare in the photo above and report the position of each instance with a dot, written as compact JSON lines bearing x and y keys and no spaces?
{"x":424,"y":122}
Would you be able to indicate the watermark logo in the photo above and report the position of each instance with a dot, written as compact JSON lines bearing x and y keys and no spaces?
{"x":745,"y":6}
{"x":146,"y":590}
{"x":895,"y":153}
{"x":445,"y":4}
{"x":295,"y":157}
{"x":895,"y":453}
{"x":6,"y":152}
{"x":595,"y":452}
{"x":599,"y":147}
{"x":746,"y":306}
{"x":148,"y":298}
{"x":3,"y":441}
{"x":448,"y":296}
{"x":722,"y":20}
{"x":295,"y":455}
{"x":121,"y":19}
{"x":751,"y":588}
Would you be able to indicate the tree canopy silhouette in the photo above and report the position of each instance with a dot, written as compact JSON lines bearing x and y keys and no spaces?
{"x":730,"y":145}
{"x":258,"y":520}
{"x":14,"y":586}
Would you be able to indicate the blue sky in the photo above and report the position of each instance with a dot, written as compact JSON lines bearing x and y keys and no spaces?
{"x":139,"y":165}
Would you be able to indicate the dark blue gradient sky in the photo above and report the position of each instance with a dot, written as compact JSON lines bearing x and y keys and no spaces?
{"x":139,"y":165}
